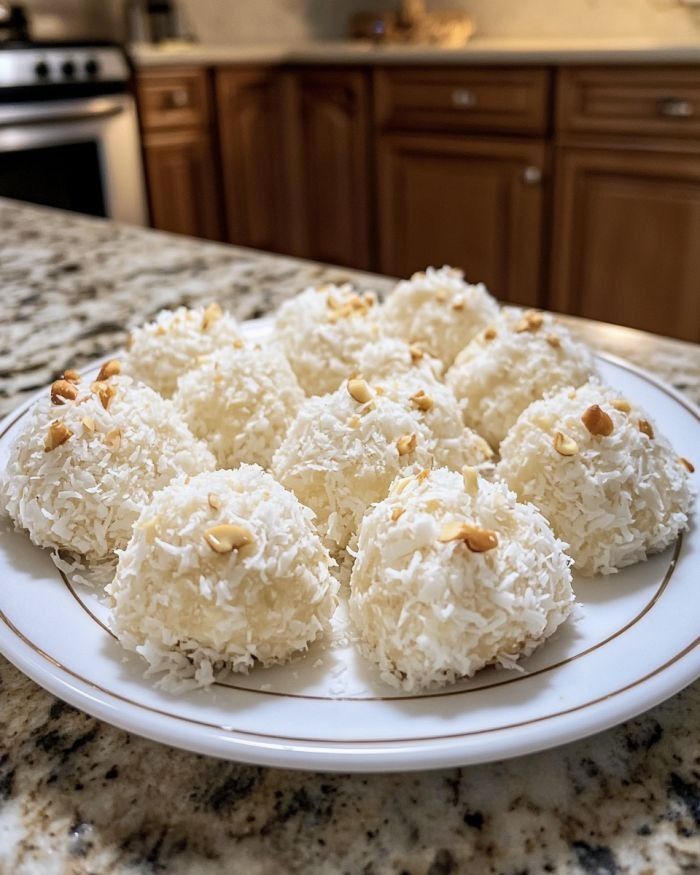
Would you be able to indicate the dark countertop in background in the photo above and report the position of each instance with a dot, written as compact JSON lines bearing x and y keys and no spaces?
{"x":79,"y":796}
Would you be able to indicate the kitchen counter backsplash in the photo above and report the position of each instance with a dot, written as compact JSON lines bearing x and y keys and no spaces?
{"x":79,"y":796}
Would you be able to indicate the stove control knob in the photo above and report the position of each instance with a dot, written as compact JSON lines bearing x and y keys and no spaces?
{"x":92,"y":68}
{"x":42,"y":71}
{"x":68,"y":69}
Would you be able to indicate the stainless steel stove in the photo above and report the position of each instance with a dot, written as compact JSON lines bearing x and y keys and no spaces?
{"x":68,"y":128}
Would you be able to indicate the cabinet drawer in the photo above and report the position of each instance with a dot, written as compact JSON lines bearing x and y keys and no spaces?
{"x":642,"y":101}
{"x":492,"y":99}
{"x":174,"y":98}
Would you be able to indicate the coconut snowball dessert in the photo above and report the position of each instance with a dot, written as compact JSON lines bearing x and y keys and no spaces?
{"x":601,"y":472}
{"x":322,"y":331}
{"x":510,"y":364}
{"x":438,"y":310}
{"x":344,"y":449}
{"x":159,"y":352}
{"x":88,"y":459}
{"x":241,"y":401}
{"x":452,"y":574}
{"x":223,"y":571}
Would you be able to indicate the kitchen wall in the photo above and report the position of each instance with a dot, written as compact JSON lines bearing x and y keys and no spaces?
{"x":76,"y":19}
{"x":281,"y":20}
{"x":254,"y":21}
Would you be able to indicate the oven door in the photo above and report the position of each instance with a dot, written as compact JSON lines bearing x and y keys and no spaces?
{"x":81,"y":155}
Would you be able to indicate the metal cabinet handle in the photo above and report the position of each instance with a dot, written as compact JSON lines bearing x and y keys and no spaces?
{"x":532,"y":175}
{"x":676,"y":107}
{"x":178,"y":98}
{"x":463,"y":98}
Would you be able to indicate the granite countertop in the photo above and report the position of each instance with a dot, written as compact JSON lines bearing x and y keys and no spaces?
{"x":479,"y":50}
{"x":79,"y":796}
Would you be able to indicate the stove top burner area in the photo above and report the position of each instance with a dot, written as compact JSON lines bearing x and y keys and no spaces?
{"x":33,"y":70}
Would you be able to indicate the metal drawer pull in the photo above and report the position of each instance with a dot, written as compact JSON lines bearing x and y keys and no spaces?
{"x":532,"y":175}
{"x":178,"y":97}
{"x":675,"y":107}
{"x":463,"y":98}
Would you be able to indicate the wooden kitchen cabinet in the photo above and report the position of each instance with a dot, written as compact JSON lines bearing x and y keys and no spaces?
{"x":331,"y":169}
{"x":181,"y":182}
{"x":179,"y":154}
{"x":254,"y":159}
{"x":626,"y":221}
{"x":627,"y":238}
{"x":473,"y":203}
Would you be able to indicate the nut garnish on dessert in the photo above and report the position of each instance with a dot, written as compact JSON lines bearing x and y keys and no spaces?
{"x":214,"y":501}
{"x":105,"y":392}
{"x":490,"y":334}
{"x":396,"y":513}
{"x":645,"y":427}
{"x":564,"y":445}
{"x":359,"y":390}
{"x":109,"y":369}
{"x":62,"y":391}
{"x":471,"y":480}
{"x":478,"y":540}
{"x":597,"y":421}
{"x":227,"y":537}
{"x":621,"y":405}
{"x":211,"y":315}
{"x":58,"y":434}
{"x":687,"y":464}
{"x":71,"y":375}
{"x":113,"y":438}
{"x":531,"y":321}
{"x":422,"y":401}
{"x":406,"y":444}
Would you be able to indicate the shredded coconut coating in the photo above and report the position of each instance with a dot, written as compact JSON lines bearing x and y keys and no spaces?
{"x":391,"y":357}
{"x":241,"y":401}
{"x":428,"y":612}
{"x":322,"y":332}
{"x":455,"y":444}
{"x":505,"y":368}
{"x":85,"y":494}
{"x":162,"y":350}
{"x":192,"y":612}
{"x":438,"y":310}
{"x":340,"y":456}
{"x":614,"y":500}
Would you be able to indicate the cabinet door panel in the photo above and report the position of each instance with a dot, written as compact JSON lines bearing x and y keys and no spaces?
{"x":181,"y":183}
{"x":474,"y":204}
{"x":627,"y":232}
{"x":333,"y":132}
{"x":252,"y":156}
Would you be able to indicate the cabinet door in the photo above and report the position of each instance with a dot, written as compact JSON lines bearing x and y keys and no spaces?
{"x":333,"y":160}
{"x":472,"y":203}
{"x":252,"y":156}
{"x":626,"y":245}
{"x":181,"y":183}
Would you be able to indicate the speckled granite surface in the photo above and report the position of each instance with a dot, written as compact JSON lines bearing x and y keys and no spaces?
{"x":79,"y":796}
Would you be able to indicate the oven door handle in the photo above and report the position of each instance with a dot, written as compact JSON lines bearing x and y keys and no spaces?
{"x":25,"y":115}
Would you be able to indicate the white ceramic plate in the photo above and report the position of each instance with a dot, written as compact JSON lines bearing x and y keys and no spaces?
{"x":634,"y":644}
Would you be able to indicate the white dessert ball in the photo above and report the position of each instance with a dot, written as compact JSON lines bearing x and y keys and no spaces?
{"x":513,"y":362}
{"x":601,"y":472}
{"x":322,"y":332}
{"x":82,"y":468}
{"x":241,"y":401}
{"x":344,"y":449}
{"x":452,"y":574}
{"x":159,"y":352}
{"x":223,"y":571}
{"x":439,"y":310}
